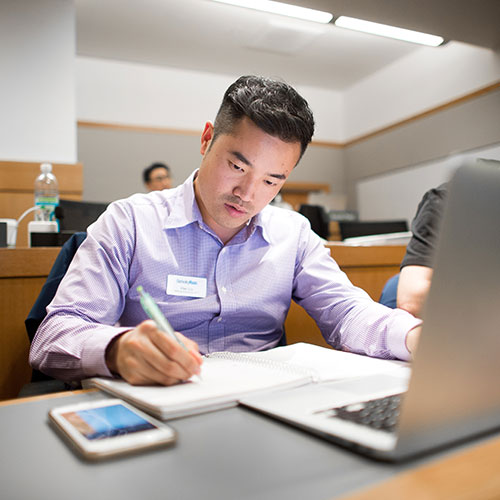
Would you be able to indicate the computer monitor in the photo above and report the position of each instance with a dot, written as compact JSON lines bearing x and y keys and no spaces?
{"x":78,"y":215}
{"x":351,"y":229}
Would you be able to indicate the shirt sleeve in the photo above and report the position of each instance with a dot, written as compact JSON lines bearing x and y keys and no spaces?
{"x":70,"y":343}
{"x":347,"y":317}
{"x":425,"y":229}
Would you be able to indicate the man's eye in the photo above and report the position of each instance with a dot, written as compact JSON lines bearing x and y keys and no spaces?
{"x":236,"y":167}
{"x":270,"y":183}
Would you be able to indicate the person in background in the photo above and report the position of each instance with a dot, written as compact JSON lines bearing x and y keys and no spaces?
{"x":157,"y":177}
{"x":416,"y":268}
{"x":222,"y":264}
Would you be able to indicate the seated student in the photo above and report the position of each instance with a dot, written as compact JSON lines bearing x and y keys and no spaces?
{"x":416,"y":268}
{"x":222,"y":264}
{"x":157,"y":177}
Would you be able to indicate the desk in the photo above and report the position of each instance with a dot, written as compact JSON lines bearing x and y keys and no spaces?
{"x":23,"y":272}
{"x":229,"y":454}
{"x":367,"y":267}
{"x":297,"y":193}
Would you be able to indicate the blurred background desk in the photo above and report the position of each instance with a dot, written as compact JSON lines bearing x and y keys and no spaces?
{"x":16,"y":189}
{"x":368,"y":267}
{"x":23,"y":272}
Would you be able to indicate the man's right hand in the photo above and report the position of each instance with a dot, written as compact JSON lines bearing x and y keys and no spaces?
{"x":145,"y":355}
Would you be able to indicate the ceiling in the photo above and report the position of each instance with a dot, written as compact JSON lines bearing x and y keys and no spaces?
{"x":204,"y":35}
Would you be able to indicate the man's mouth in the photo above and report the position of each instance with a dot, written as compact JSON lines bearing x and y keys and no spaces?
{"x":235,"y":210}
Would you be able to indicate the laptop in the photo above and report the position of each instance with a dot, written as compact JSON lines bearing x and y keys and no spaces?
{"x":452,"y":391}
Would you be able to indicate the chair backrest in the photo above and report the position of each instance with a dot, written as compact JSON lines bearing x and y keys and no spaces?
{"x":39,"y":309}
{"x":390,"y":291}
{"x":319,"y":219}
{"x":78,"y":215}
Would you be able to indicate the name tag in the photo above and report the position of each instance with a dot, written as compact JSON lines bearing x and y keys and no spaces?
{"x":186,"y":286}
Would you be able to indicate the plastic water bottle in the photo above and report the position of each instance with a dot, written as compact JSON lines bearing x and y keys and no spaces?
{"x":46,"y":194}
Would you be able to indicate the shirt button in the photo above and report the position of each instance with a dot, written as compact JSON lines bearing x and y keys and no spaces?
{"x":224,"y":289}
{"x":219,"y":319}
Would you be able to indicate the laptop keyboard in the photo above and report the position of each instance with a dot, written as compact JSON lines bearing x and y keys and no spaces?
{"x":380,"y":413}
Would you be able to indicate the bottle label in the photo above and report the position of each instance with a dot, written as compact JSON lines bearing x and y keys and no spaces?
{"x":46,"y":208}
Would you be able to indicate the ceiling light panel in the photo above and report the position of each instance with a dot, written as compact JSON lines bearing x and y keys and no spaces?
{"x":283,"y":9}
{"x":388,"y":31}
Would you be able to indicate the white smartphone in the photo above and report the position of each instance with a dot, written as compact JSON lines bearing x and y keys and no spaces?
{"x":101,"y":429}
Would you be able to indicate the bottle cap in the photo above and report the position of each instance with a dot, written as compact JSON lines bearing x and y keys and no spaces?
{"x":46,"y":168}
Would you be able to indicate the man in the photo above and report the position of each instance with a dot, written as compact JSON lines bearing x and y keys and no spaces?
{"x":222,"y":264}
{"x":416,"y":269}
{"x":157,"y":177}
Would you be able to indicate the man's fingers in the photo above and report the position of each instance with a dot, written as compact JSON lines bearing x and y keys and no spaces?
{"x":145,"y":374}
{"x":146,"y":355}
{"x":192,"y":348}
{"x":176,"y":353}
{"x":169,"y":367}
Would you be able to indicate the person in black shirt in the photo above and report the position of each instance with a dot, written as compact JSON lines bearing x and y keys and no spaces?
{"x":416,"y":267}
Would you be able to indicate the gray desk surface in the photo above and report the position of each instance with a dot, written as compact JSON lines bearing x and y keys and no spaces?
{"x":230,"y":454}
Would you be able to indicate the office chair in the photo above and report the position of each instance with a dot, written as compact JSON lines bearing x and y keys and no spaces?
{"x":319,"y":219}
{"x":389,"y":292}
{"x":41,"y":383}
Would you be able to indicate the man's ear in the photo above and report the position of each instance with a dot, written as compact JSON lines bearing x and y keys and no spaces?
{"x":206,"y":137}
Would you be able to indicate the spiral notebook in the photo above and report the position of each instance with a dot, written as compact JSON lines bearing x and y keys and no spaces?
{"x":228,"y":376}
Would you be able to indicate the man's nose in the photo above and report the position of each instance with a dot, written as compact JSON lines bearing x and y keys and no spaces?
{"x":245,"y":189}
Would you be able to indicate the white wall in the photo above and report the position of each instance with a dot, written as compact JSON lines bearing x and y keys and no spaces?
{"x":135,"y":94}
{"x":112,"y":91}
{"x":37,"y":83}
{"x":396,"y":196}
{"x":138,"y":94}
{"x":423,"y":80}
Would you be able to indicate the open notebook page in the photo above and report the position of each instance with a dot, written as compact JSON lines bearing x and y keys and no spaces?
{"x":329,"y":364}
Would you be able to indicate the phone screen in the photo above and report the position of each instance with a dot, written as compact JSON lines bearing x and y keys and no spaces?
{"x":107,"y":422}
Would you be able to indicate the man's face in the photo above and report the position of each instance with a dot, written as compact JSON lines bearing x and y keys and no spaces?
{"x":240,"y":174}
{"x":159,"y":179}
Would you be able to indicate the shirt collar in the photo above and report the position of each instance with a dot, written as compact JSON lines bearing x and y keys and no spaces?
{"x":258,"y":221}
{"x":182,"y":207}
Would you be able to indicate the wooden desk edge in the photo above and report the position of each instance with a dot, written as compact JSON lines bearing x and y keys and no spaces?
{"x":27,"y":262}
{"x":471,"y":474}
{"x":369,"y":256}
{"x":52,"y":395}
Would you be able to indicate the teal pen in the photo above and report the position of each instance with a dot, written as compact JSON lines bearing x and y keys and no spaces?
{"x":153,"y":311}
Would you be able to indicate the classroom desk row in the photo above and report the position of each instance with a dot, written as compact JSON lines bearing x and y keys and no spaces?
{"x":23,"y":272}
{"x":234,"y":453}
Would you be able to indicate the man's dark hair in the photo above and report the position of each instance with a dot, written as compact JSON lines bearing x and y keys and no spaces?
{"x":146,"y":173}
{"x":274,"y":106}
